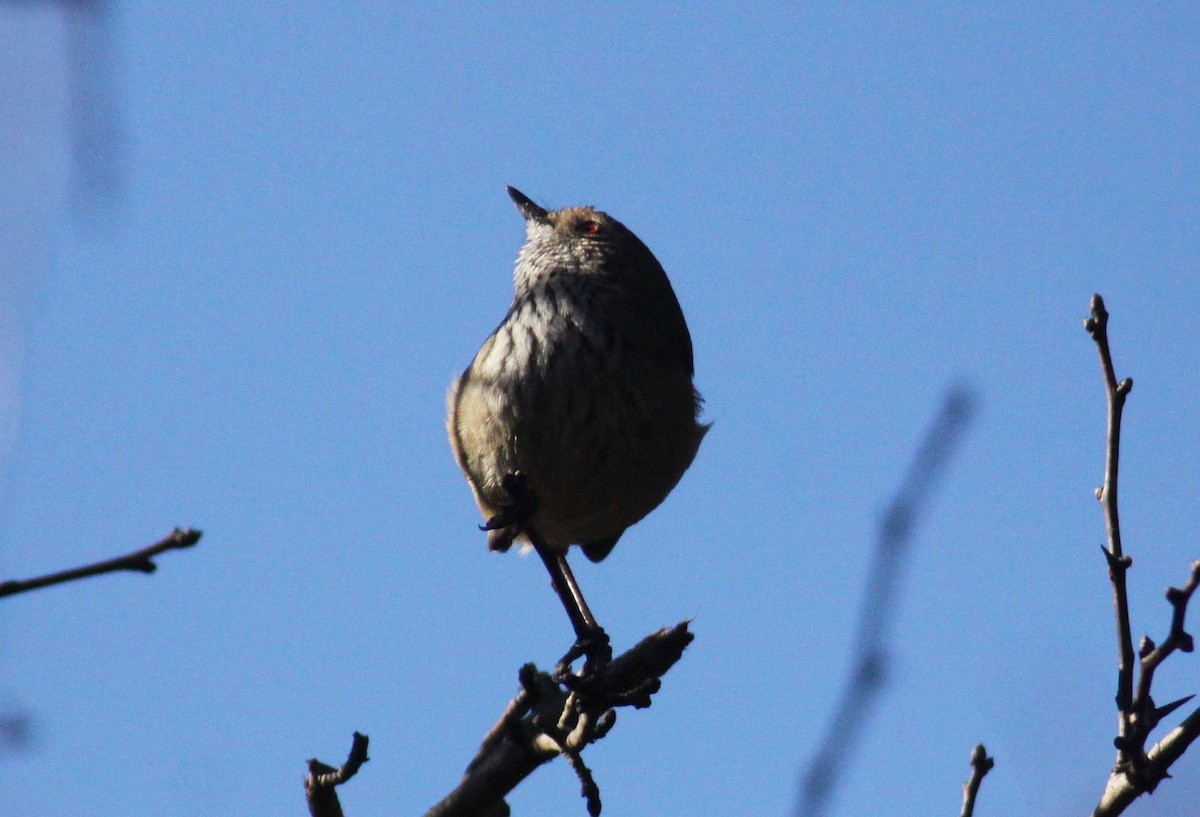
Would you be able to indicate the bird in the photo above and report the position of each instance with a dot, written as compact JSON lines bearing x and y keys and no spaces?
{"x":578,"y":415}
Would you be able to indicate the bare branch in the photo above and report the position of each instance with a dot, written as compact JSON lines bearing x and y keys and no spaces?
{"x":16,"y":730}
{"x":1118,"y":563}
{"x":981,"y":764}
{"x":587,"y":784}
{"x":1153,"y":656}
{"x":893,"y":543}
{"x":140,"y":561}
{"x":1137,"y":771}
{"x":545,"y":720}
{"x":1121,"y":789}
{"x":320,"y":787}
{"x":535,"y":685}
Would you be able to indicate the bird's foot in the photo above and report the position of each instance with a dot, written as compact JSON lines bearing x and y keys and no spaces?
{"x":595,"y":649}
{"x":512,"y":517}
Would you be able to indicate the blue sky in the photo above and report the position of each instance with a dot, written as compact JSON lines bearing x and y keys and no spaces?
{"x":857,"y":207}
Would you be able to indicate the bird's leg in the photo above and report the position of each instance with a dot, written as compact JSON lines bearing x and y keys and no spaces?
{"x":591,"y":642}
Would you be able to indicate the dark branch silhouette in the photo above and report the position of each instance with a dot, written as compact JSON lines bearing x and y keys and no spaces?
{"x":546,"y":720}
{"x":981,"y":764}
{"x":893,"y":545}
{"x":1137,"y":770}
{"x":140,"y":561}
{"x":550,"y":715}
{"x":1097,"y":326}
{"x":320,"y":786}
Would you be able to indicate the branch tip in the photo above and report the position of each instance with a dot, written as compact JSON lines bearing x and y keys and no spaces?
{"x":186,"y":537}
{"x":981,"y":764}
{"x":981,"y":760}
{"x":320,"y":787}
{"x":528,"y":678}
{"x":1166,"y":709}
{"x":139,"y":561}
{"x":605,"y":724}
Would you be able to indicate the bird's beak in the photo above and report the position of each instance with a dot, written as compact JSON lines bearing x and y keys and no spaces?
{"x":530,"y":210}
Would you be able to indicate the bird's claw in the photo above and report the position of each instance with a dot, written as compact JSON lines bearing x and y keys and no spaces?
{"x":512,"y":517}
{"x":595,"y":649}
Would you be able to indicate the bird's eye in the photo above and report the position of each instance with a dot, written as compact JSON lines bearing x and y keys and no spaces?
{"x":588,"y":227}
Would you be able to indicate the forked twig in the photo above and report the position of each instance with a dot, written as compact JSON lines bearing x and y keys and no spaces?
{"x":1137,"y":769}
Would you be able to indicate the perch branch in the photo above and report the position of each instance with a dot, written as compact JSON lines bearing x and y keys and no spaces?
{"x":545,"y":720}
{"x":140,"y":561}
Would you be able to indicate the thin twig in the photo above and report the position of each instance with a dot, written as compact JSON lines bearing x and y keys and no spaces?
{"x":893,"y":544}
{"x":140,"y":561}
{"x":587,"y":783}
{"x":1118,"y":563}
{"x":1177,"y":639}
{"x":981,"y":764}
{"x":320,"y":787}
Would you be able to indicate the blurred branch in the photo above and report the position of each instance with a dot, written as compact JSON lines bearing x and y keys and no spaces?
{"x":893,"y":544}
{"x":981,"y":764}
{"x":16,"y":730}
{"x":545,"y":720}
{"x":320,"y":786}
{"x":96,"y":138}
{"x":140,"y":561}
{"x":1137,"y":770}
{"x":97,"y":141}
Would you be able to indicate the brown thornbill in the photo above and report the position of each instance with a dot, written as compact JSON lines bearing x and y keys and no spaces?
{"x":578,"y":415}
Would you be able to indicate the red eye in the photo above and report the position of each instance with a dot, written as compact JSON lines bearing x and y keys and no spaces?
{"x":588,"y":227}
